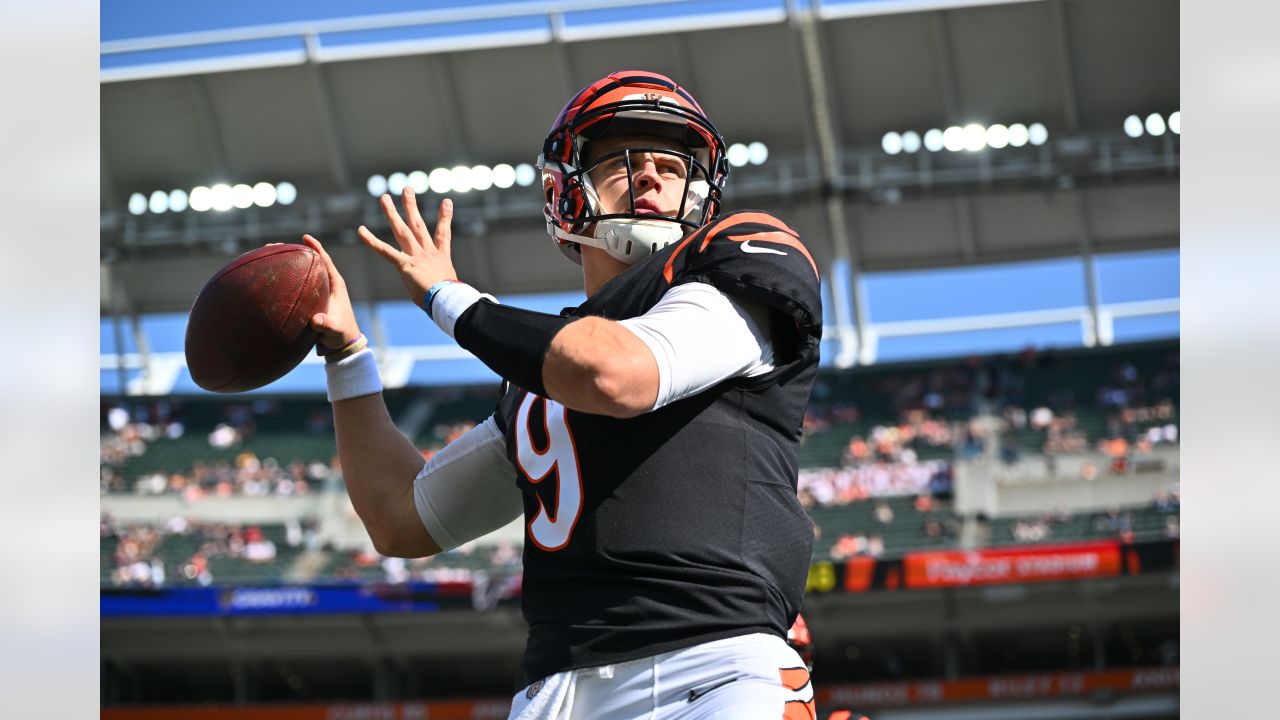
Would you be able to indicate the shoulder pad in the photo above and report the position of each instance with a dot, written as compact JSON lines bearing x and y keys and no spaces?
{"x":752,"y":254}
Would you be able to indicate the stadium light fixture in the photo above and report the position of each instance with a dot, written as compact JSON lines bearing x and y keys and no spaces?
{"x":177,"y":200}
{"x":997,"y":136}
{"x":1155,"y":124}
{"x":891,"y":143}
{"x":504,"y":176}
{"x":524,"y":175}
{"x":441,"y":180}
{"x":376,"y":185}
{"x":975,"y":137}
{"x":137,"y":204}
{"x":738,"y":154}
{"x":1038,"y":134}
{"x":1018,"y":135}
{"x":418,"y":181}
{"x":757,"y":153}
{"x":461,"y":178}
{"x":264,"y":194}
{"x":933,"y":140}
{"x":953,"y":138}
{"x":396,"y":182}
{"x":159,"y":202}
{"x":481,"y":177}
{"x":1133,"y":126}
{"x":220,"y":197}
{"x":242,"y":196}
{"x":1175,"y":122}
{"x":910,"y":141}
{"x":286,"y":193}
{"x":201,"y":198}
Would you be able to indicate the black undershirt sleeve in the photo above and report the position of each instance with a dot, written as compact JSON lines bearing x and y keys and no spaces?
{"x":510,"y":341}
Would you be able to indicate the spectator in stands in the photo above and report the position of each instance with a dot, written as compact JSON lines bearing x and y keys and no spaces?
{"x":849,"y":545}
{"x":884,"y":513}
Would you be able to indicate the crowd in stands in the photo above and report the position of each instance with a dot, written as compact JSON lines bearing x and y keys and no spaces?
{"x":180,"y":550}
{"x":880,"y":442}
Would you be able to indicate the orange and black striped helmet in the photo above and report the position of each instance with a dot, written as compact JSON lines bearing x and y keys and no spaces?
{"x":627,"y":102}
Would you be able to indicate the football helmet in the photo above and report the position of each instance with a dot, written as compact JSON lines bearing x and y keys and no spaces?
{"x":628,"y":102}
{"x":799,"y":639}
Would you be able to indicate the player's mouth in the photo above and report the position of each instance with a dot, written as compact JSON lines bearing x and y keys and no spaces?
{"x":647,"y":207}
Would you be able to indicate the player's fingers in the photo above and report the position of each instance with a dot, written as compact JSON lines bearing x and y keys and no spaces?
{"x":444,"y":233}
{"x":414,"y":218}
{"x":335,"y":277}
{"x":403,"y":235}
{"x":391,"y":254}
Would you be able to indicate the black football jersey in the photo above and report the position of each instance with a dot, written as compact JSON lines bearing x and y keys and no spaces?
{"x":679,"y":526}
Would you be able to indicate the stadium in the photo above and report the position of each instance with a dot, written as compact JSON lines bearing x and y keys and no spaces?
{"x":990,"y":459}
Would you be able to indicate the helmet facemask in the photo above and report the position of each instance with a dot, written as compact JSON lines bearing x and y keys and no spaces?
{"x":628,"y":234}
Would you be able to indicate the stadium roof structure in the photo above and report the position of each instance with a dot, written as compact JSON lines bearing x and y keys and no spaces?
{"x":325,"y":103}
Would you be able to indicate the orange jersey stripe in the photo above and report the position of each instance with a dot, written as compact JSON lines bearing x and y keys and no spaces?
{"x":796,"y":710}
{"x":794,"y":678}
{"x":783,"y":235}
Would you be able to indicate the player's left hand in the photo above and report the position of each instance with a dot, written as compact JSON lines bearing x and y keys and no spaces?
{"x":423,"y":258}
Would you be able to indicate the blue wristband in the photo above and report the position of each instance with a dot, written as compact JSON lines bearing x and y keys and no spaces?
{"x":430,"y":297}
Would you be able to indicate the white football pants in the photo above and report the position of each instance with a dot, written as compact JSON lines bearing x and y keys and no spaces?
{"x":752,"y":677}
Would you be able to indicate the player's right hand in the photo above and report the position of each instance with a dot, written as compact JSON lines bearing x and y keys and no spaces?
{"x":337,"y":324}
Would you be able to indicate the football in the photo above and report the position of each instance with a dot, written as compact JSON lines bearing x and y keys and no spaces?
{"x":251,"y":323}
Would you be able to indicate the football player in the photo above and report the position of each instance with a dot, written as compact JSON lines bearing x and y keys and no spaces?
{"x":648,"y":436}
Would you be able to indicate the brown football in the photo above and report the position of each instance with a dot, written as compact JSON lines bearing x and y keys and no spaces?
{"x":251,"y":323}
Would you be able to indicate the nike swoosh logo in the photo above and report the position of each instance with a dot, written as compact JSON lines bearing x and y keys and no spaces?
{"x":695,"y":694}
{"x":747,"y":247}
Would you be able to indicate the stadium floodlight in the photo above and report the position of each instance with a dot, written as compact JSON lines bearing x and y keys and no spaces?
{"x":1155,"y":124}
{"x":418,"y":181}
{"x":396,"y":182}
{"x":137,"y":204}
{"x":524,"y":175}
{"x":286,"y":193}
{"x":461,"y":178}
{"x":975,"y":137}
{"x":200,"y":199}
{"x":1175,"y":122}
{"x":953,"y":138}
{"x":264,"y":194}
{"x":933,"y":140}
{"x":376,"y":185}
{"x":159,"y":202}
{"x":177,"y":200}
{"x":481,"y":177}
{"x":220,"y":197}
{"x":1018,"y":135}
{"x":1038,"y":134}
{"x":738,"y":154}
{"x":441,"y":180}
{"x":242,"y":196}
{"x":910,"y":141}
{"x":1133,"y":126}
{"x":997,"y":136}
{"x":757,"y":153}
{"x":891,"y":143}
{"x":504,"y":176}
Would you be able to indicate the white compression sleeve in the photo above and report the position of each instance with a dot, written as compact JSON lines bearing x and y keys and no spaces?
{"x":701,"y":337}
{"x":468,"y":489}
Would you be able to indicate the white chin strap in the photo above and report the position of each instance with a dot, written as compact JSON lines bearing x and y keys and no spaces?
{"x":631,"y":239}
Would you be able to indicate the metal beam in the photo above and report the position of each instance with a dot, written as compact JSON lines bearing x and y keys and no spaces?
{"x":1095,"y":332}
{"x":215,"y":145}
{"x":944,"y":63}
{"x":339,"y":167}
{"x":848,"y":315}
{"x":1067,"y":75}
{"x":460,"y":141}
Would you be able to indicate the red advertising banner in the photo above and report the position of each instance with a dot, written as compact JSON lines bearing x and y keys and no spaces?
{"x":1000,"y":687}
{"x":990,"y":566}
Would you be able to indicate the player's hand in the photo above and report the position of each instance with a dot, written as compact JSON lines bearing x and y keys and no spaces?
{"x":423,"y":258}
{"x":337,"y":324}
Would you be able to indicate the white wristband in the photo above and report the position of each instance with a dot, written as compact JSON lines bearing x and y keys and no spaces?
{"x":451,"y":301}
{"x":353,"y":376}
